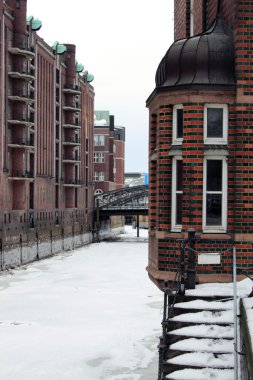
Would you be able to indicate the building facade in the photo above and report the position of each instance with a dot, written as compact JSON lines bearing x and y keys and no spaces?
{"x":47,"y":142}
{"x":109,"y":153}
{"x":201,"y":146}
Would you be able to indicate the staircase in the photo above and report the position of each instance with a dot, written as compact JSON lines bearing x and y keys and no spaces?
{"x":200,"y":340}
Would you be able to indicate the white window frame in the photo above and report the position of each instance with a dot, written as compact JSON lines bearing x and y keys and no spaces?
{"x":176,"y":140}
{"x":98,"y":192}
{"x":95,"y":176}
{"x":175,"y":227}
{"x":101,"y":176}
{"x":216,"y":140}
{"x":95,"y":158}
{"x":99,"y":157}
{"x":223,"y":227}
{"x":99,"y":140}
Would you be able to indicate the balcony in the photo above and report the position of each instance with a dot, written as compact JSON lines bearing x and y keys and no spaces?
{"x":72,"y":108}
{"x":22,"y":51}
{"x":21,"y":120}
{"x":20,"y":175}
{"x":19,"y":72}
{"x":22,"y":96}
{"x":71,"y":90}
{"x":72,"y":126}
{"x":72,"y":141}
{"x":72,"y":183}
{"x":21,"y":143}
{"x":71,"y":159}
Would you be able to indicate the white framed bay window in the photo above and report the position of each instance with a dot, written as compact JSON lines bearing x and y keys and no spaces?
{"x":215,"y":123}
{"x":177,"y":194}
{"x":215,"y":194}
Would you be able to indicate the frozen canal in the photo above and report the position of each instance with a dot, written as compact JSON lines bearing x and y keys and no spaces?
{"x":89,"y":314}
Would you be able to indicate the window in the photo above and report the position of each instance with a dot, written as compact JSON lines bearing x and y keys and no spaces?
{"x":99,"y":140}
{"x":95,"y":176}
{"x":215,"y":123}
{"x":178,"y":124}
{"x":215,"y":195}
{"x":177,"y":194}
{"x":98,"y":191}
{"x":101,"y":176}
{"x":99,"y":157}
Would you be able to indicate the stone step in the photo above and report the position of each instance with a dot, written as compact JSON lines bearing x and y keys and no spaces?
{"x":176,"y":325}
{"x":206,"y":316}
{"x":199,"y":360}
{"x":202,"y":331}
{"x":200,"y":339}
{"x":203,"y":305}
{"x":173,"y":354}
{"x":204,"y":359}
{"x":187,"y":298}
{"x":201,"y":374}
{"x":202,"y":345}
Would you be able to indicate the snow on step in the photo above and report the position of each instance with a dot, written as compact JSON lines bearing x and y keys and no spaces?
{"x":202,"y":374}
{"x":204,"y":359}
{"x":203,"y":345}
{"x":205,"y":331}
{"x":205,"y":317}
{"x":205,"y":305}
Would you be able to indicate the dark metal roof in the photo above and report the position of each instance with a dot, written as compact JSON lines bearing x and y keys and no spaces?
{"x":205,"y":59}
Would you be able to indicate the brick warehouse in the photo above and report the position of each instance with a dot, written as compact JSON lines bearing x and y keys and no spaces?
{"x":109,"y":153}
{"x":109,"y":158}
{"x":201,"y":139}
{"x":46,"y":146}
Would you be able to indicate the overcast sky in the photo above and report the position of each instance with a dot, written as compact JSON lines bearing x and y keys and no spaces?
{"x":120,"y":42}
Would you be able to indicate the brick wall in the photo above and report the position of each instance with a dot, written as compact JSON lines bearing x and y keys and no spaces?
{"x":181,"y":19}
{"x":204,"y":15}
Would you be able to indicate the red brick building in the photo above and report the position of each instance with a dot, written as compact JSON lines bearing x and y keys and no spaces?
{"x":109,"y":153}
{"x":201,"y":138}
{"x":47,"y":141}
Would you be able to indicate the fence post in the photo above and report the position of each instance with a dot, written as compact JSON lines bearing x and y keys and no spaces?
{"x":191,"y":271}
{"x":181,"y":291}
{"x":138,"y":225}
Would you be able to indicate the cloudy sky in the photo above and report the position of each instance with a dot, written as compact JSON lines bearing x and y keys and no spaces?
{"x":120,"y":42}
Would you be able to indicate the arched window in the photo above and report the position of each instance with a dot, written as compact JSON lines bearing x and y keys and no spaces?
{"x":98,"y":191}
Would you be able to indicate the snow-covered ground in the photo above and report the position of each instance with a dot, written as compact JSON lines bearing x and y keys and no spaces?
{"x":89,"y":314}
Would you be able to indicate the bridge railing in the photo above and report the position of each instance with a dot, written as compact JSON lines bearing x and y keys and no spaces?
{"x":123,"y":196}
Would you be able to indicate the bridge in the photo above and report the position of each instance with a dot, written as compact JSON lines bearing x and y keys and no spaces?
{"x":124,"y":201}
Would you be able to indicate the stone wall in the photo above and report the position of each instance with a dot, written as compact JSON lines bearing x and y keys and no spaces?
{"x":39,"y":246}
